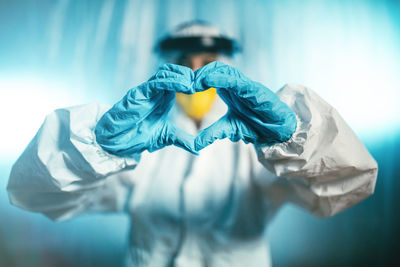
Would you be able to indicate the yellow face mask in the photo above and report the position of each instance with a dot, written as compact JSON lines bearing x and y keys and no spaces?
{"x":197,"y":105}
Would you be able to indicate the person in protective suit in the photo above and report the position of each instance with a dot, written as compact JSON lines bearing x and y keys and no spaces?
{"x":200,"y":179}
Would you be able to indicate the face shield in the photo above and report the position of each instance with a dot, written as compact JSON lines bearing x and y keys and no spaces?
{"x":194,"y":45}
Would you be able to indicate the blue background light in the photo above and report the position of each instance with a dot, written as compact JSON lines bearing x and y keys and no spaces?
{"x":61,"y":53}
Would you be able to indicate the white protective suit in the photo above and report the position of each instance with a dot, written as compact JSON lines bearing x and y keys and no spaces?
{"x":186,"y":210}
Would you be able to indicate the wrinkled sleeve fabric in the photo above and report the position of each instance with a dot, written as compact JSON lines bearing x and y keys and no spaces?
{"x":327,"y":166}
{"x":64,"y":172}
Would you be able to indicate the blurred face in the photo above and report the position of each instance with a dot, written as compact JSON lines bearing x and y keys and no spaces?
{"x":197,"y":105}
{"x":197,"y":60}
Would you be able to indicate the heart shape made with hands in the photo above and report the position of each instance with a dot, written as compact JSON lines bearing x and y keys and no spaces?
{"x":140,"y":120}
{"x":255,"y":114}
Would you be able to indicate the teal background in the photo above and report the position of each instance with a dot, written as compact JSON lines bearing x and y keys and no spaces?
{"x":65,"y":52}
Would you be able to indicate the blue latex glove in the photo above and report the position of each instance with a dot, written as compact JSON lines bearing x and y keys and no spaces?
{"x":140,"y":120}
{"x":255,"y":114}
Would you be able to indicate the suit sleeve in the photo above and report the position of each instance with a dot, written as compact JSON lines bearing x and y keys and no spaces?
{"x":64,"y":172}
{"x":326,"y":165}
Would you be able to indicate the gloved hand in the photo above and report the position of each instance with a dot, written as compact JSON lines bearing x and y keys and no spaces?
{"x":140,"y":120}
{"x":255,"y":114}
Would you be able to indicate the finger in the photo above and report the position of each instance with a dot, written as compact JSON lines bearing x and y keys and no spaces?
{"x":184,"y":140}
{"x":144,"y":100}
{"x":176,"y":85}
{"x":224,"y":77}
{"x":172,"y":81}
{"x":179,"y":69}
{"x":223,"y":128}
{"x":203,"y":72}
{"x":173,"y":71}
{"x":235,"y":82}
{"x":169,"y":74}
{"x":174,"y":78}
{"x":172,"y":135}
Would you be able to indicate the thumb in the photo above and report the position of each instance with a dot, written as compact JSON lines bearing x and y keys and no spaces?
{"x":223,"y":128}
{"x":182,"y":139}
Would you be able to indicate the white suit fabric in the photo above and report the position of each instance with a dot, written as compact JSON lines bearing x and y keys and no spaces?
{"x":186,"y":210}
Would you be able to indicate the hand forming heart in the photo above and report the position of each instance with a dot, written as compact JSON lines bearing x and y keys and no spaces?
{"x":255,"y":114}
{"x":140,"y":120}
